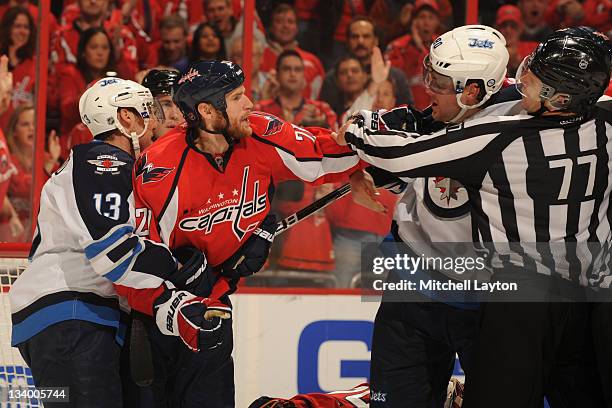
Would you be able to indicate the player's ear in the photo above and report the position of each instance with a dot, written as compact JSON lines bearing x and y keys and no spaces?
{"x":471,"y":94}
{"x":126,"y":118}
{"x":206,"y":111}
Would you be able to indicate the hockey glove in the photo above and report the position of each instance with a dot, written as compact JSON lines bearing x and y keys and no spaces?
{"x":401,"y":118}
{"x":195,"y":275}
{"x":196,"y":320}
{"x":252,"y":255}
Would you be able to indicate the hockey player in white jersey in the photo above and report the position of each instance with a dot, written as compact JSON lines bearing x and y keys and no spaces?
{"x":68,"y":321}
{"x":516,"y":171}
{"x":415,"y":342}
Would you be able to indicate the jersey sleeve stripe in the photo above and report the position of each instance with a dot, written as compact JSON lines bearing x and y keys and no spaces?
{"x":140,"y":280}
{"x":124,"y":264}
{"x":287,"y":151}
{"x":112,"y":238}
{"x":311,"y":170}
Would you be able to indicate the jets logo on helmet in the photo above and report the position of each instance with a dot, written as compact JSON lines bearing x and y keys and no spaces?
{"x":99,"y":106}
{"x":469,"y":53}
{"x":475,"y":42}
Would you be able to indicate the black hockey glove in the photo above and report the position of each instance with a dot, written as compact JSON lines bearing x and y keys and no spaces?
{"x":252,"y":255}
{"x":195,"y":275}
{"x":196,"y":320}
{"x":401,"y":118}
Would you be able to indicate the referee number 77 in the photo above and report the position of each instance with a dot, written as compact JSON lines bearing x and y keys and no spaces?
{"x":568,"y":165}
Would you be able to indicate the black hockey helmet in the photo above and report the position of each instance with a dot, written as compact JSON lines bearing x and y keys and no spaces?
{"x":574,"y":61}
{"x":206,"y":81}
{"x":161,"y":81}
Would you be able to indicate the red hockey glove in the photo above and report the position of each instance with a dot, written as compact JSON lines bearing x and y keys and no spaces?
{"x":252,"y":255}
{"x":196,"y":320}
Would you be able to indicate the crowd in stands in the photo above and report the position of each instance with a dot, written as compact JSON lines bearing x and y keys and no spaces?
{"x":313,"y":64}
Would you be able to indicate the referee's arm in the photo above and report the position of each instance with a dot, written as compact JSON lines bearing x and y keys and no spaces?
{"x":444,"y":153}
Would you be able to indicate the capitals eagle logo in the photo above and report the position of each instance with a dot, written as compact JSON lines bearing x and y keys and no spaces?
{"x":149,"y":172}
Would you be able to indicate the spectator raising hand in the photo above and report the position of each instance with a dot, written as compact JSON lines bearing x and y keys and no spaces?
{"x":379,"y":70}
{"x":6,"y":83}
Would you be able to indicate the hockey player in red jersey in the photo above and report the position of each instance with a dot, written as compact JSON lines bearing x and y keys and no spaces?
{"x":209,"y":184}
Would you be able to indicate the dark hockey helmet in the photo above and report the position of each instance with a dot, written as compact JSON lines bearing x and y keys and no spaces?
{"x":206,"y":81}
{"x":161,"y":81}
{"x":574,"y":61}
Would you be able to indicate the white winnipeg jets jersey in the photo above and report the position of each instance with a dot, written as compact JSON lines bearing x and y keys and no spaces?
{"x":436,"y":210}
{"x":85,"y":243}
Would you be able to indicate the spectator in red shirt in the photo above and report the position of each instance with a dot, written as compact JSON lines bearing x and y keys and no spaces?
{"x":207,"y":44}
{"x":20,"y":138}
{"x":172,"y":50}
{"x":18,"y":42}
{"x":95,"y":59}
{"x":362,"y":40}
{"x":510,"y":24}
{"x":572,"y":13}
{"x":282,"y":34}
{"x":290,"y":103}
{"x":96,"y":13}
{"x":533,"y":13}
{"x":10,"y":226}
{"x":407,"y":52}
{"x":32,"y":9}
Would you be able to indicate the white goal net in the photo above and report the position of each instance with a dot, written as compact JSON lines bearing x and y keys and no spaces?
{"x":15,"y":376}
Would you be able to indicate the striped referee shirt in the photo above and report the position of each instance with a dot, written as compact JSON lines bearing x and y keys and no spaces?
{"x":543,"y":179}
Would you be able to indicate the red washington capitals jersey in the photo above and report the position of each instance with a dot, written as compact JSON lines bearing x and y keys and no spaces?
{"x":183,"y":197}
{"x":357,"y":397}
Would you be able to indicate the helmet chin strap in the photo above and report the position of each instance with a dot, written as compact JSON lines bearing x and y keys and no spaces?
{"x":223,"y":132}
{"x":465,"y":108}
{"x":134,"y":137}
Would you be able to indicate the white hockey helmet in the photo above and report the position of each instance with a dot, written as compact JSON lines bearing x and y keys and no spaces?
{"x":471,"y":52}
{"x":99,"y":104}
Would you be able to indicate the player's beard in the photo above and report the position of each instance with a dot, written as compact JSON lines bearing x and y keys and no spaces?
{"x":239,"y":127}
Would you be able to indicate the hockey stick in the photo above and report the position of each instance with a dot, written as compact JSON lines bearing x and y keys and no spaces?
{"x":140,"y":356}
{"x":312,"y":208}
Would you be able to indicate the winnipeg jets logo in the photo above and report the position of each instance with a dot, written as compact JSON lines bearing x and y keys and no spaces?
{"x":448,"y":188}
{"x":106,"y":164}
{"x":233,"y":210}
{"x":149,"y":172}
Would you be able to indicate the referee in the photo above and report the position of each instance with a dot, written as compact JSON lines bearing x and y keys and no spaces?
{"x":542,"y":177}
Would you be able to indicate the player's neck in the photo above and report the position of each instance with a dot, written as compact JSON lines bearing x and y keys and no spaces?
{"x":211,"y":143}
{"x":121,"y":142}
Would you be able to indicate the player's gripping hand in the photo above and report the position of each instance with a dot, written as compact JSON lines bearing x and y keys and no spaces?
{"x":196,"y":320}
{"x":401,"y":118}
{"x":252,"y":255}
{"x":195,"y":274}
